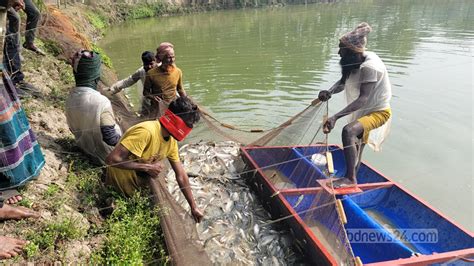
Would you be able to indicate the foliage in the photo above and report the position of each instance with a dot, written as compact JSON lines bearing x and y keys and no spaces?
{"x":154,"y":9}
{"x":52,"y":190}
{"x":57,"y":98}
{"x":53,"y":233}
{"x":133,"y":235}
{"x":66,"y":75}
{"x":85,"y":178}
{"x":97,"y":20}
{"x":52,"y":47}
{"x":25,"y":202}
{"x":105,"y":58}
{"x":31,"y":250}
{"x":141,"y":11}
{"x":40,"y":4}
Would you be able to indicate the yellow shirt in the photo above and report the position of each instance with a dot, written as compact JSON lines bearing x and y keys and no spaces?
{"x":164,"y":84}
{"x":146,"y":143}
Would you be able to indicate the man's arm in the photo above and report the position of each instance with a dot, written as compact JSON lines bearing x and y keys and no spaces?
{"x":326,"y":94}
{"x":128,"y":82}
{"x":183,"y":182}
{"x":360,"y":102}
{"x":119,"y":158}
{"x":107,"y":127}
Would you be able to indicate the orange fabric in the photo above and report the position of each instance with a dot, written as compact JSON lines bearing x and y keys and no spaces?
{"x":373,"y":121}
{"x":164,"y":84}
{"x":9,"y":113}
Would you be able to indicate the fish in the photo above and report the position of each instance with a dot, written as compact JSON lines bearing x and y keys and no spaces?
{"x":256,"y":230}
{"x":235,"y":229}
{"x":299,"y":200}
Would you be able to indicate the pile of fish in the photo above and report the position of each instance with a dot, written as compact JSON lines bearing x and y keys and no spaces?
{"x":236,"y":229}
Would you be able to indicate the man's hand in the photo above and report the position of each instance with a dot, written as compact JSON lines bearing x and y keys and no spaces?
{"x":113,"y":89}
{"x":197,"y":214}
{"x":324,"y":95}
{"x":154,"y":169}
{"x":329,"y":125}
{"x":18,"y":4}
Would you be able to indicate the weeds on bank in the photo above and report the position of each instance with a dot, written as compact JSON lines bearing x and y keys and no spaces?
{"x":133,"y":235}
{"x":85,"y":179}
{"x":132,"y":230}
{"x":57,"y":98}
{"x":51,"y":191}
{"x":51,"y":235}
{"x":41,"y":5}
{"x":97,"y":20}
{"x":142,"y":11}
{"x":105,"y":58}
{"x":154,"y":10}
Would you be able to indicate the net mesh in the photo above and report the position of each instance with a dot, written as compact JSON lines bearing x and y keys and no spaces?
{"x":183,"y":241}
{"x":321,"y":215}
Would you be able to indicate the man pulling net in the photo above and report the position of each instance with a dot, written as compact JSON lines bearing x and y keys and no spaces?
{"x":368,"y":92}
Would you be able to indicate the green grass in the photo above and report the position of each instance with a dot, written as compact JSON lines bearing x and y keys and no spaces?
{"x":85,"y":178}
{"x":142,"y":11}
{"x":133,"y":235}
{"x":40,"y":5}
{"x":53,"y":233}
{"x":66,"y":75}
{"x":51,"y":191}
{"x":138,"y":11}
{"x":52,"y":47}
{"x":57,"y":98}
{"x":31,"y":250}
{"x":25,"y":202}
{"x":105,"y":58}
{"x":97,"y":20}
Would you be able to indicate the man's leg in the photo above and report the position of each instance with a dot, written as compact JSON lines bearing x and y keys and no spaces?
{"x":11,"y":58}
{"x":32,"y":18}
{"x":360,"y":149}
{"x":350,"y":136}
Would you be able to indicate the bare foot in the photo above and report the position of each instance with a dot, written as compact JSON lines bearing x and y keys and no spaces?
{"x":10,"y":247}
{"x":9,"y":212}
{"x":10,"y":196}
{"x":13,"y":200}
{"x":343,"y":183}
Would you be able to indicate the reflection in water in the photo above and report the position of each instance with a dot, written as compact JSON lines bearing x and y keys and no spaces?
{"x":257,"y":68}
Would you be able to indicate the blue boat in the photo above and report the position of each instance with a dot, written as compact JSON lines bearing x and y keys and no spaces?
{"x":379,"y":223}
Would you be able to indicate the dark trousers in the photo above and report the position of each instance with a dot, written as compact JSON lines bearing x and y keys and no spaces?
{"x":32,"y":18}
{"x":11,"y":58}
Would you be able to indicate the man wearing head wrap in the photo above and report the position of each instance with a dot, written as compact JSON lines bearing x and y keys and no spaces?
{"x":89,"y":114}
{"x":162,"y":83}
{"x":138,"y":157}
{"x":149,"y":62}
{"x":368,"y":91}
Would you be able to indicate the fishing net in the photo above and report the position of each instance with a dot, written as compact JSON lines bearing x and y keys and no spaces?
{"x":288,"y":168}
{"x":301,"y":129}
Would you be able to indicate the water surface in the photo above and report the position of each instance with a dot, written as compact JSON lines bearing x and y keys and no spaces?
{"x":257,"y":68}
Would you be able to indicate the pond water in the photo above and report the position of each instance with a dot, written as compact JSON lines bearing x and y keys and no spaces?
{"x":259,"y":67}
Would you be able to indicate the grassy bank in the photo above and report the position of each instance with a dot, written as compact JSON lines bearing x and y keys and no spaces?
{"x":82,"y":222}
